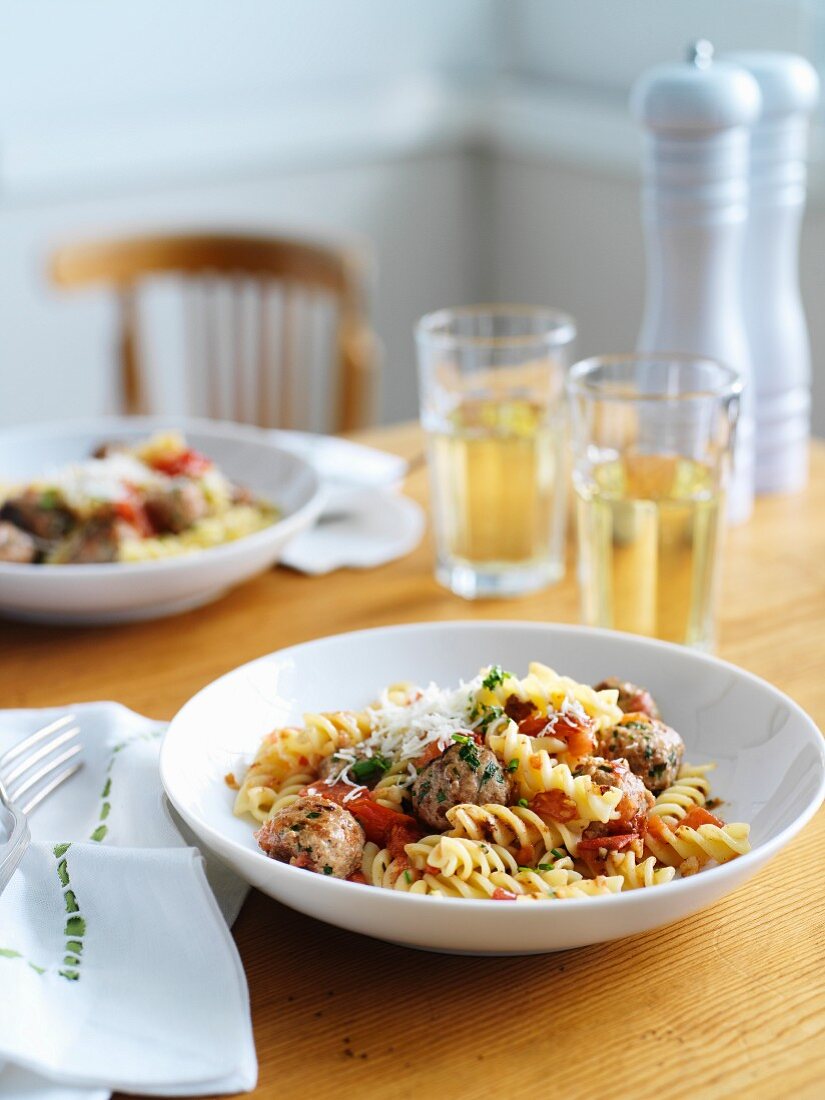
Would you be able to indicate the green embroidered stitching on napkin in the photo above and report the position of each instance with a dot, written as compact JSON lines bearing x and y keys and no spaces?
{"x":75,"y":928}
{"x":101,"y":830}
{"x":75,"y":925}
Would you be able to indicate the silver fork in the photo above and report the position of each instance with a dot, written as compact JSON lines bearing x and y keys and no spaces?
{"x":29,"y":772}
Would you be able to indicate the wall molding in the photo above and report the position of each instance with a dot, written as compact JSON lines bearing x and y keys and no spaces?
{"x":541,"y":121}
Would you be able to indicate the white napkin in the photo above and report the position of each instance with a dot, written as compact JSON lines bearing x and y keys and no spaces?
{"x":365,"y":521}
{"x":117,"y":967}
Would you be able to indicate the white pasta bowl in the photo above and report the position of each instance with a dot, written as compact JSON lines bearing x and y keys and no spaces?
{"x":126,"y":591}
{"x":769,"y":754}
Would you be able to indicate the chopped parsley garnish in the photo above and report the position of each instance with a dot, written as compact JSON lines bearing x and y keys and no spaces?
{"x":635,"y":725}
{"x":462,"y":738}
{"x":297,"y":827}
{"x":525,"y":868}
{"x":491,"y":714}
{"x":657,"y":769}
{"x":327,"y":869}
{"x":425,"y":787}
{"x":49,"y":499}
{"x":314,"y":814}
{"x":441,"y":797}
{"x":489,"y":772}
{"x":513,"y":765}
{"x":408,"y":876}
{"x":469,"y":754}
{"x":545,"y":866}
{"x":557,"y":853}
{"x":648,"y":752}
{"x":372,"y":767}
{"x":523,"y":802}
{"x":495,"y":677}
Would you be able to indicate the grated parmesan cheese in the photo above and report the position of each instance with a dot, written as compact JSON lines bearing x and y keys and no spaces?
{"x":101,"y":480}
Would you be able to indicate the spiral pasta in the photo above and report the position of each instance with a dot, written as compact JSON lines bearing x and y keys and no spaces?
{"x":636,"y":874}
{"x":546,"y":689}
{"x":717,"y":842}
{"x":452,"y":856}
{"x":690,"y":789}
{"x":292,"y":751}
{"x":394,"y":785}
{"x":535,"y":771}
{"x":458,"y":802}
{"x":516,"y":828}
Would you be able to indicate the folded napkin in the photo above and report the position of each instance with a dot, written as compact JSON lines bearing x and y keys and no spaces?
{"x":117,"y":967}
{"x":365,"y":521}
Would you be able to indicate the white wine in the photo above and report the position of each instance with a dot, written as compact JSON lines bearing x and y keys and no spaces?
{"x":649,"y":533}
{"x":498,"y":492}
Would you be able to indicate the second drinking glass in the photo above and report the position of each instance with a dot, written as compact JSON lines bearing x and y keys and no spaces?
{"x":652,"y":440}
{"x":492,"y":405}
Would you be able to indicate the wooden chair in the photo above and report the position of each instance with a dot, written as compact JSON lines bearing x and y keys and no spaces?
{"x":241,"y":292}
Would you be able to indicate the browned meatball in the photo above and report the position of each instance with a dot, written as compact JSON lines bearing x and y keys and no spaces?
{"x":41,"y":514}
{"x":177,"y":506}
{"x":465,"y":772}
{"x":315,"y":834}
{"x":636,"y":801}
{"x":96,"y":541}
{"x":632,"y":698}
{"x":16,"y":545}
{"x":652,"y":750}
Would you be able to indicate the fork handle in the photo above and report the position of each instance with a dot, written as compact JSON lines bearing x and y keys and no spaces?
{"x":18,"y":841}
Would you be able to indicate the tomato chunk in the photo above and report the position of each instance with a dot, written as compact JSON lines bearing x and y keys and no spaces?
{"x":533,"y":725}
{"x":381,"y":825}
{"x":698,"y":816}
{"x":133,"y":511}
{"x":503,"y":895}
{"x":555,"y":805}
{"x":188,"y":463}
{"x":612,"y":843}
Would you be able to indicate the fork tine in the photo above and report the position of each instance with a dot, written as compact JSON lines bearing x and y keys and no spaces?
{"x":40,"y":754}
{"x":35,"y":738}
{"x":47,"y":769}
{"x":42,"y":792}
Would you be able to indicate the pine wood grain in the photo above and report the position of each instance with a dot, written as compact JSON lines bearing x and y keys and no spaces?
{"x":727,"y":1003}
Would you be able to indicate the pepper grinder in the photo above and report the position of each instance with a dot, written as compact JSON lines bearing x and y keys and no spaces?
{"x":697,"y":116}
{"x":775,"y":321}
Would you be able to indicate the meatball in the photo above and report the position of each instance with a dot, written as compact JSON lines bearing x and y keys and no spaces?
{"x":315,"y":834}
{"x":636,"y":801}
{"x":652,"y":750}
{"x":465,"y":772}
{"x":40,"y":514}
{"x":96,"y":541}
{"x":632,"y":698}
{"x":16,"y":545}
{"x":177,"y":506}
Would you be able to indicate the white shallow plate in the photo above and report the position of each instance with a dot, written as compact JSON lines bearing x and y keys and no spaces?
{"x":771,"y":770}
{"x":122,"y":592}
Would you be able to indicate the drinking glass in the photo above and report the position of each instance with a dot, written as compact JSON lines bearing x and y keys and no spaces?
{"x":652,"y":439}
{"x":492,"y":405}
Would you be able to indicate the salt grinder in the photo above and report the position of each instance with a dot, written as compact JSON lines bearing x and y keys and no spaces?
{"x":774,"y":319}
{"x":697,"y":116}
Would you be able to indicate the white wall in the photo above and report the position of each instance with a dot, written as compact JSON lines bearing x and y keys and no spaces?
{"x":482,"y":146}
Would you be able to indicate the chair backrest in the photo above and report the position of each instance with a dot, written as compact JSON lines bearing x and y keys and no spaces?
{"x":244,"y":294}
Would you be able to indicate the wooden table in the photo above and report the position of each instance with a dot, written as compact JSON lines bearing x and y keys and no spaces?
{"x":726,"y":1003}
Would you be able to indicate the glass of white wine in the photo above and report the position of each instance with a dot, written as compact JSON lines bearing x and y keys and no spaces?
{"x":492,"y":404}
{"x":652,"y":439}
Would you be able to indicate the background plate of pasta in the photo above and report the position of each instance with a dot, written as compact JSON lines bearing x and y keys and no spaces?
{"x":493,"y":788}
{"x":122,"y":519}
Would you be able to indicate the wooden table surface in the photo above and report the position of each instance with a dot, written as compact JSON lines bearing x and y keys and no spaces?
{"x":726,"y":1003}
